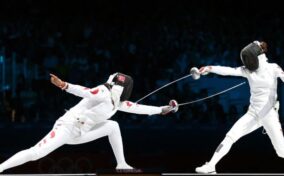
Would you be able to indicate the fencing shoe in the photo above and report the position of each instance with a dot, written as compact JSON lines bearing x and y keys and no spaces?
{"x":206,"y":169}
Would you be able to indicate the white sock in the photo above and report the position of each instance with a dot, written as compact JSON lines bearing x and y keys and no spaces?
{"x":221,"y":151}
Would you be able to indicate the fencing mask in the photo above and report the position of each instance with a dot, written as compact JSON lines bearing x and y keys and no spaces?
{"x":120,"y":86}
{"x":249,"y":55}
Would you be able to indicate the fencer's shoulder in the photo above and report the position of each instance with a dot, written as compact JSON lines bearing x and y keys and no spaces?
{"x":275,"y":65}
{"x":103,"y":89}
{"x":243,"y":69}
{"x":99,"y":90}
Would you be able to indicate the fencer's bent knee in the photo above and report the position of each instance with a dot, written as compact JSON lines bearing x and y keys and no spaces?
{"x":113,"y":125}
{"x":231,"y":137}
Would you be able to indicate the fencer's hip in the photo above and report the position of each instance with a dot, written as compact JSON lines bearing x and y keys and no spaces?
{"x":75,"y":124}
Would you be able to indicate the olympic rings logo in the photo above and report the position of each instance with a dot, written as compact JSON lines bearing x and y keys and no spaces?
{"x":65,"y":165}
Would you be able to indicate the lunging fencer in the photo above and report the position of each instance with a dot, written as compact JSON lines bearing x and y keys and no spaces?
{"x":89,"y":119}
{"x":263,"y":109}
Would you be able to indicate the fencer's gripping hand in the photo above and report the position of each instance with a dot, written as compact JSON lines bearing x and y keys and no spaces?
{"x":172,"y":107}
{"x":205,"y":70}
{"x":58,"y":82}
{"x":195,"y":74}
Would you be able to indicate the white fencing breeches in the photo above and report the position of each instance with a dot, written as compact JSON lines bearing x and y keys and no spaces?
{"x":109,"y":128}
{"x":53,"y":140}
{"x":68,"y":134}
{"x":249,"y":122}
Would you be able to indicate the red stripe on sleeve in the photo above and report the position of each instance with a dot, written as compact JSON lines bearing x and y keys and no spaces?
{"x":95,"y":91}
{"x":52,"y":134}
{"x":129,"y":104}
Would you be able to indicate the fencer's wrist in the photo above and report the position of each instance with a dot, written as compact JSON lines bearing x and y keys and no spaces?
{"x":63,"y":85}
{"x":205,"y":70}
{"x":161,"y":109}
{"x":164,"y":110}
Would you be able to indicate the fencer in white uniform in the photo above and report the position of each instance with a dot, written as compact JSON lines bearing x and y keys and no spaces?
{"x":263,"y":109}
{"x":89,"y":119}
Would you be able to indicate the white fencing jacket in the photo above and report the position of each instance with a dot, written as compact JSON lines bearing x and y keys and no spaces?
{"x":97,"y":106}
{"x":262,"y":82}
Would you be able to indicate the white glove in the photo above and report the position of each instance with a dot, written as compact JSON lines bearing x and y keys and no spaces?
{"x":195,"y":74}
{"x":172,"y":107}
{"x":205,"y":70}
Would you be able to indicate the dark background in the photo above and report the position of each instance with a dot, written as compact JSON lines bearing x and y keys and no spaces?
{"x":155,"y":42}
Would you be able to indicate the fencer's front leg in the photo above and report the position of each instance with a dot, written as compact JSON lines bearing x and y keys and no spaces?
{"x":111,"y":129}
{"x":115,"y":141}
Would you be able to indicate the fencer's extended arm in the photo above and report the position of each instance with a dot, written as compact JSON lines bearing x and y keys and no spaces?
{"x":77,"y":90}
{"x":227,"y":71}
{"x":134,"y":108}
{"x":84,"y":92}
{"x":279,"y":72}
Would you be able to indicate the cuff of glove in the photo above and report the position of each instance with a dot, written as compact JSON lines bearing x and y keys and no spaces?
{"x":64,"y":86}
{"x":165,"y":110}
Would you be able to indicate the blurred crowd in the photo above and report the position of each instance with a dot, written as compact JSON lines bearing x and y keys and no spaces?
{"x":155,"y":46}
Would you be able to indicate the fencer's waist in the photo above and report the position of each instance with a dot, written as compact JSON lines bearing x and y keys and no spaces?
{"x":81,"y":122}
{"x":260,"y":105}
{"x":262,"y":110}
{"x":88,"y":117}
{"x":263,"y":94}
{"x":77,"y":117}
{"x":260,"y":100}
